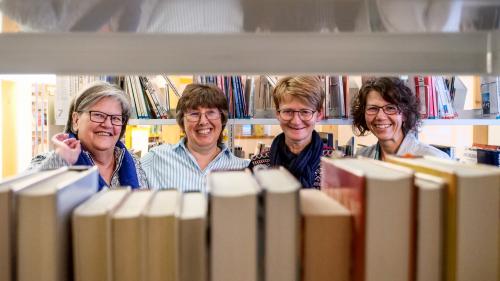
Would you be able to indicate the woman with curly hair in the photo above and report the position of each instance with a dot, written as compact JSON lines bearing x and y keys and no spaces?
{"x":388,"y":109}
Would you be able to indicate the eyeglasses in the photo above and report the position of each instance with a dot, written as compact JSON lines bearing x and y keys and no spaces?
{"x":195,"y":116}
{"x":389,"y":109}
{"x":304,"y":114}
{"x":100,"y":117}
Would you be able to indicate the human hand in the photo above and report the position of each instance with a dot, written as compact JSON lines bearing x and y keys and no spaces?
{"x":68,"y":148}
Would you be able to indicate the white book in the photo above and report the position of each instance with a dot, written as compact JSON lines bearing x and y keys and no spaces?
{"x":43,"y":223}
{"x":280,"y":191}
{"x":9,"y":189}
{"x":92,"y":235}
{"x":233,"y":226}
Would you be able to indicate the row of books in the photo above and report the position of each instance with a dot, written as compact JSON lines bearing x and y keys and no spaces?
{"x":414,"y":219}
{"x":233,"y":88}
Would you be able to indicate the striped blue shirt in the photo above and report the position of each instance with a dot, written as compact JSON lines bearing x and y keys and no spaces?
{"x":171,"y":166}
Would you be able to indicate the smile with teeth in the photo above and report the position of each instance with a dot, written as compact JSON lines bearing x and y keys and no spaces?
{"x":104,"y":134}
{"x":204,"y":131}
{"x":381,"y":126}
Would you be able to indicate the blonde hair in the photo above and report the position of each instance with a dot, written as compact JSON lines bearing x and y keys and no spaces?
{"x":307,"y":89}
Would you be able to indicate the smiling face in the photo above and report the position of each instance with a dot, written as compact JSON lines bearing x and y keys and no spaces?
{"x":98,"y":136}
{"x":297,"y":131}
{"x":385,"y":127}
{"x":203,"y":134}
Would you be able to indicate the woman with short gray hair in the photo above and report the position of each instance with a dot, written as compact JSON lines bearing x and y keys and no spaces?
{"x":91,"y":138}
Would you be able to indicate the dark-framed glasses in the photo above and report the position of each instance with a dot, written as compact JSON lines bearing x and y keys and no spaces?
{"x":304,"y":114}
{"x":389,"y":109}
{"x":100,"y":117}
{"x":195,"y":116}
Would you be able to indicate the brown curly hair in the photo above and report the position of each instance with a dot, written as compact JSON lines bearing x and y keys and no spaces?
{"x":393,"y":90}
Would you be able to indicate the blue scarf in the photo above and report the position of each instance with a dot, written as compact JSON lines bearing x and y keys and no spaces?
{"x":304,"y":165}
{"x":127,"y":172}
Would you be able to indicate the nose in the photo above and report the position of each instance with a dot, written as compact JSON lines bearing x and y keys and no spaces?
{"x":381,"y":113}
{"x":107,"y":122}
{"x":203,"y":118}
{"x":296,"y":118}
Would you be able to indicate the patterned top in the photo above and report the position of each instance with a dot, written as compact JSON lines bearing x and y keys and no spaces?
{"x":170,"y":166}
{"x":52,"y":160}
{"x":263,"y":160}
{"x":409,"y":145}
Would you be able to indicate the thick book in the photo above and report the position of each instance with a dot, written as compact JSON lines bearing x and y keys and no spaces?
{"x":160,"y":236}
{"x":127,"y":236}
{"x":9,"y":188}
{"x":381,"y":198}
{"x":92,"y":235}
{"x":430,"y":227}
{"x":471,"y":216}
{"x":281,"y":223}
{"x":191,"y":225}
{"x":233,"y":226}
{"x":43,"y":223}
{"x":327,"y":235}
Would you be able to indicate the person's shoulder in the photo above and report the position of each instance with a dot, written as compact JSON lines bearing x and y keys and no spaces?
{"x":432,"y":151}
{"x":367,"y":151}
{"x":261,"y":160}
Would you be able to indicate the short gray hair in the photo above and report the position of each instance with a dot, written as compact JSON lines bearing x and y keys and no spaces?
{"x":93,"y":94}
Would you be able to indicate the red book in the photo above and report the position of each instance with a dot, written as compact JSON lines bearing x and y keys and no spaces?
{"x":381,"y":198}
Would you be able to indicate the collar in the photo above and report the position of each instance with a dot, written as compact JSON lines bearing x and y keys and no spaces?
{"x":182,"y":145}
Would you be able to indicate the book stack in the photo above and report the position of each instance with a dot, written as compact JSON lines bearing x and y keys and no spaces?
{"x":412,"y":219}
{"x":419,"y":219}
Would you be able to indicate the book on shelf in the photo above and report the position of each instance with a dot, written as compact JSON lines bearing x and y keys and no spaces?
{"x":281,"y":224}
{"x":490,"y":96}
{"x":160,"y":237}
{"x":9,"y":189}
{"x":327,"y":234}
{"x":430,"y":227}
{"x":127,"y":237}
{"x":382,"y":200}
{"x":450,"y":150}
{"x":233,"y":226}
{"x":43,"y":214}
{"x":471,"y":216}
{"x":334,"y":92}
{"x":91,"y":232}
{"x":191,"y":242}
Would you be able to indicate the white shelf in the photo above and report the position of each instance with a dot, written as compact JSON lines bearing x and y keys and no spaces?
{"x":249,"y":53}
{"x":426,"y":122}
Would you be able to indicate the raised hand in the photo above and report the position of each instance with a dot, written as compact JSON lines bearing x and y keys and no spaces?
{"x":68,"y":148}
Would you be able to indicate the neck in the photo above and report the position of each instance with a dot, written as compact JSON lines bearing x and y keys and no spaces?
{"x":297,"y":147}
{"x":391,"y":146}
{"x":203,"y":155}
{"x":103,"y":158}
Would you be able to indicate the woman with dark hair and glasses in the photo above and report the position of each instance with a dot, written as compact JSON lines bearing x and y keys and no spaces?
{"x":202,"y":114}
{"x":97,"y":120}
{"x":388,"y":109}
{"x":298,"y":102}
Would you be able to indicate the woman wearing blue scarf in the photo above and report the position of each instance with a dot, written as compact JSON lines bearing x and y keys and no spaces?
{"x":299,"y":105}
{"x":97,"y":120}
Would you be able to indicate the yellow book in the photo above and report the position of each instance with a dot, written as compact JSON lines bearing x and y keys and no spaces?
{"x":92,"y":235}
{"x":472,"y":210}
{"x":160,"y":236}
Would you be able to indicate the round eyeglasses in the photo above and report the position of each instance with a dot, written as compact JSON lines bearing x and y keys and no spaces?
{"x":304,"y":114}
{"x":195,"y":116}
{"x":389,"y":109}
